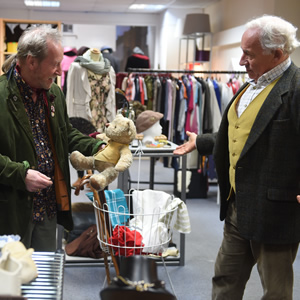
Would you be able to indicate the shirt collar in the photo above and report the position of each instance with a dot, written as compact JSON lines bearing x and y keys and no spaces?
{"x":273,"y":74}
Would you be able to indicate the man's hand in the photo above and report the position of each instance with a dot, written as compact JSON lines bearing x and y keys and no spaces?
{"x":187,"y":147}
{"x":298,"y":198}
{"x":102,"y":146}
{"x":36,"y":181}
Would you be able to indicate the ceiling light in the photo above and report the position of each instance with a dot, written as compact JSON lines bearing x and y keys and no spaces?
{"x":42,"y":3}
{"x":137,"y":6}
{"x":146,"y":7}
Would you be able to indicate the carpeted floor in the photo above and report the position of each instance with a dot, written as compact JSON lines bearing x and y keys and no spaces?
{"x":191,"y":281}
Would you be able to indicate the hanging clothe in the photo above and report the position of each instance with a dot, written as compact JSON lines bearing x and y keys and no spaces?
{"x":91,"y":91}
{"x":70,"y":54}
{"x":188,"y":103}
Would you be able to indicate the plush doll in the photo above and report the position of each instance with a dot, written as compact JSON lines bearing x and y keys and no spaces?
{"x":114,"y":158}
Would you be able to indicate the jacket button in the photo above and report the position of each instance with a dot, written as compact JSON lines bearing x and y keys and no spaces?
{"x":15,"y":98}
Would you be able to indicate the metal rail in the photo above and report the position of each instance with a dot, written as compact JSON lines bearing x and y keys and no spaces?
{"x":49,"y":283}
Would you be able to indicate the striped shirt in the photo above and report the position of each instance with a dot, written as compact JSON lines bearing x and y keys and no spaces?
{"x":263,"y":81}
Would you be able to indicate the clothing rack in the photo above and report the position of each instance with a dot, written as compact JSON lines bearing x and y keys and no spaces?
{"x":140,"y":70}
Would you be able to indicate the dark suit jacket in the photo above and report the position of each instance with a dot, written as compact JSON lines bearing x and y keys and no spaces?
{"x":268,"y":170}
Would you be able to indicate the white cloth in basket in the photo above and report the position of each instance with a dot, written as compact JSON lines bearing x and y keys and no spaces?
{"x":148,"y":207}
{"x":155,"y":236}
{"x":153,"y":217}
{"x":182,"y":221}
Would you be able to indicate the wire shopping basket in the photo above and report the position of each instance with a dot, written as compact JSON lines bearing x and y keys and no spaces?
{"x":134,"y":229}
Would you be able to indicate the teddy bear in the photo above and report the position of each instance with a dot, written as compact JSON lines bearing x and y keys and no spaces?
{"x":114,"y":158}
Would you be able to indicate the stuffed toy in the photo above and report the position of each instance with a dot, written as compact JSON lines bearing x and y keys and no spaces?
{"x":114,"y":158}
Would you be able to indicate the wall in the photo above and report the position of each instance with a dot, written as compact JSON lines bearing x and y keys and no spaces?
{"x":171,"y":25}
{"x":289,"y":9}
{"x":236,"y":12}
{"x":228,"y":26}
{"x":97,"y":35}
{"x":226,"y":16}
{"x":166,"y":41}
{"x":93,"y":29}
{"x":89,"y":35}
{"x":82,"y":18}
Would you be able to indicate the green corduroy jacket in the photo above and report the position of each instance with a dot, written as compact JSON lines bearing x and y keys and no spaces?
{"x":17,"y":153}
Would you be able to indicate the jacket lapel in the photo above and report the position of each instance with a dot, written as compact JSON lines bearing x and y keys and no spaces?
{"x":269,"y":108}
{"x":17,"y":109}
{"x":16,"y":106}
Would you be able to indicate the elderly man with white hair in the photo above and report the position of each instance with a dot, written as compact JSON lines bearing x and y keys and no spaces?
{"x":257,"y":156}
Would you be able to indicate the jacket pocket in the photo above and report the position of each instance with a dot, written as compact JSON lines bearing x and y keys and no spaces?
{"x":283,"y":195}
{"x":281,"y":124}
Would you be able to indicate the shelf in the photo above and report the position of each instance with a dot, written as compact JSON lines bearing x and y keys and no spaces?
{"x":8,"y":53}
{"x":4,"y":22}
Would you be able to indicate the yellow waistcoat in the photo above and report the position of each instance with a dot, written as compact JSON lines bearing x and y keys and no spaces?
{"x":239,"y":128}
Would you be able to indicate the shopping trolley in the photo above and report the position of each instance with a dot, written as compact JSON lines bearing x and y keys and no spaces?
{"x":134,"y":238}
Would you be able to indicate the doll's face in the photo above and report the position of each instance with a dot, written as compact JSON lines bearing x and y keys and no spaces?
{"x":154,"y":130}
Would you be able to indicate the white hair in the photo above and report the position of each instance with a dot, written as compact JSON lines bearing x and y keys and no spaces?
{"x":275,"y":33}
